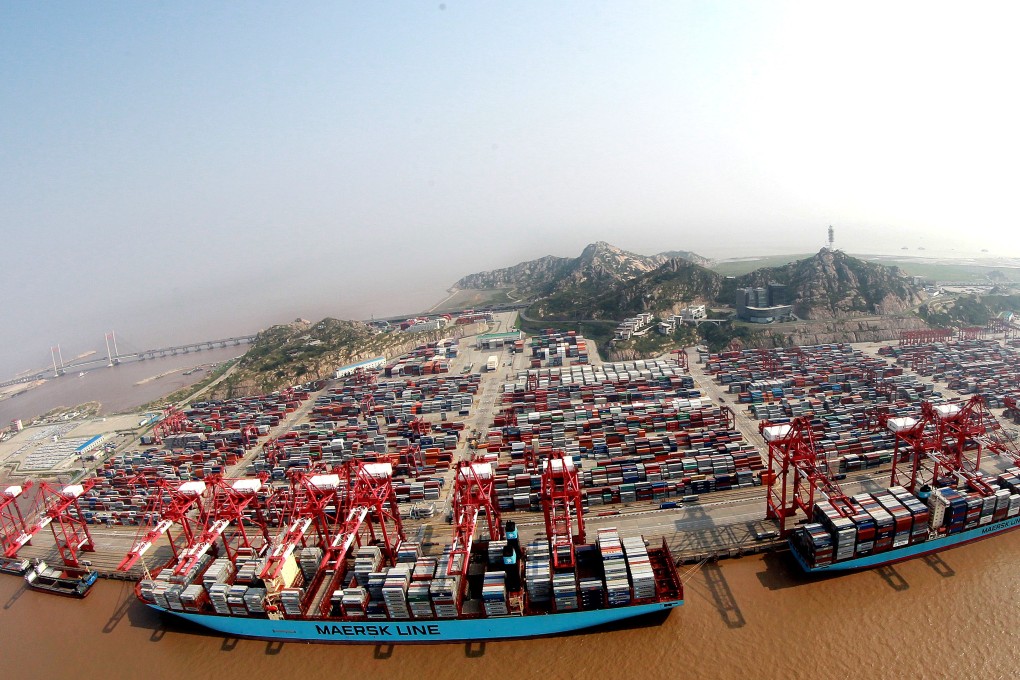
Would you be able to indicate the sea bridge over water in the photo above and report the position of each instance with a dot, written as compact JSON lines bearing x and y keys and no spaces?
{"x":113,"y":357}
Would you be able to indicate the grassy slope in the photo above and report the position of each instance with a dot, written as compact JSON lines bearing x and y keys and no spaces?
{"x":963,"y":272}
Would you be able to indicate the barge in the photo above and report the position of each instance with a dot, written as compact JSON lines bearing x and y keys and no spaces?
{"x":69,"y":583}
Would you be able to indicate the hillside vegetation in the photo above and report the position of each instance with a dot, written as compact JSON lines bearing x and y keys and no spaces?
{"x":598,"y":265}
{"x":301,"y":351}
{"x":606,"y":283}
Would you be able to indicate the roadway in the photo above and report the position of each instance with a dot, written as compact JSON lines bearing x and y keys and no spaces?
{"x":721,"y":523}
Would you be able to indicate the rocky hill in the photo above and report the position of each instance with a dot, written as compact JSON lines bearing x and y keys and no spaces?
{"x":833,"y":285}
{"x":687,"y":255}
{"x":662,"y":291}
{"x":599,"y":265}
{"x":527,"y":278}
{"x":829,"y":285}
{"x":290,"y":354}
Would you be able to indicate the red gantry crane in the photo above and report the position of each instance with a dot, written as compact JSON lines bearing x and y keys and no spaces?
{"x":680,"y":356}
{"x":317,"y":500}
{"x":229,"y":503}
{"x":172,"y":423}
{"x":801,"y":473}
{"x":561,"y":505}
{"x":371,"y":504}
{"x":473,"y":491}
{"x":58,"y":509}
{"x":12,"y":522}
{"x":173,"y":503}
{"x":946,"y":442}
{"x":769,"y":362}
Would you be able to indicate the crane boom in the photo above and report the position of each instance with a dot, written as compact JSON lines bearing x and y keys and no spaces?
{"x":12,"y":522}
{"x":312,"y":494}
{"x":345,"y":538}
{"x":206,"y":541}
{"x":173,"y":505}
{"x":286,"y":547}
{"x":473,"y":490}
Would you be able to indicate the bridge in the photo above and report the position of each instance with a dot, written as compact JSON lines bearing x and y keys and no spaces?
{"x":113,"y":358}
{"x":185,"y":349}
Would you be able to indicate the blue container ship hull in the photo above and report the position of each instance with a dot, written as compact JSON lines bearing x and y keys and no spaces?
{"x":932,"y":545}
{"x":420,"y":631}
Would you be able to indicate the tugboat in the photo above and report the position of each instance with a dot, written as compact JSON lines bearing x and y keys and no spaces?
{"x":66,"y":582}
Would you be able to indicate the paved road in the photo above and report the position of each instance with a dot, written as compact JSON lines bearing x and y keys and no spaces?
{"x":721,"y":522}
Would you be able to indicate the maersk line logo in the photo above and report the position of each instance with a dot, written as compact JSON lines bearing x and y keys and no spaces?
{"x":378,"y":631}
{"x":999,"y":527}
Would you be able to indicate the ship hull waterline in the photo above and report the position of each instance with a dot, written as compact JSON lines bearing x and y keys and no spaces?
{"x":419,"y":630}
{"x":909,"y":552}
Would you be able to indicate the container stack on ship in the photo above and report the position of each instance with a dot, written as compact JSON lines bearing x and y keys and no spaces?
{"x":939,"y":497}
{"x":341,"y":570}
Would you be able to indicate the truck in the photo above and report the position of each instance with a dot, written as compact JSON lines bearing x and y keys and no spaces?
{"x":492,"y":363}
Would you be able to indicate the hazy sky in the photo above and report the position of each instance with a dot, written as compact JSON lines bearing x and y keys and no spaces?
{"x":176,"y":171}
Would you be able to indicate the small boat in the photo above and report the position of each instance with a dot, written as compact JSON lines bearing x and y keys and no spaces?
{"x":66,"y":582}
{"x":17,"y":567}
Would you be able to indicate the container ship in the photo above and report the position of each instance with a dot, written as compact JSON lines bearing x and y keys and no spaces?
{"x":356,"y":580}
{"x":945,"y":501}
{"x":896,"y":525}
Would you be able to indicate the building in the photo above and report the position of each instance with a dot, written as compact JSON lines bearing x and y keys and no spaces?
{"x":693,"y":313}
{"x":367,"y":365}
{"x":777,"y":295}
{"x":495,"y":340}
{"x":763,"y":305}
{"x":90,"y":445}
{"x":417,"y":325}
{"x":634,"y":327}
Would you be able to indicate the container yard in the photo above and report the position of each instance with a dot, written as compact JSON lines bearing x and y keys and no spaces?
{"x":202,"y":441}
{"x":838,"y":388}
{"x":293,"y":506}
{"x":640,"y":431}
{"x":974,"y":366}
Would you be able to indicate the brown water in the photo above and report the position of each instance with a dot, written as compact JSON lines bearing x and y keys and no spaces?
{"x":951,"y":617}
{"x":116,"y":388}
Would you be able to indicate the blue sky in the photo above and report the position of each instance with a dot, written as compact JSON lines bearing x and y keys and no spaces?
{"x":182,"y":169}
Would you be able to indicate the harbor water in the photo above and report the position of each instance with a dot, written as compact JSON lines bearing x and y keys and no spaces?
{"x":117,"y":388}
{"x":946,"y":616}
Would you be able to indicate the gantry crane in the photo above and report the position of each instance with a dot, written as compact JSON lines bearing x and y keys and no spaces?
{"x":370,"y":503}
{"x":413,"y":457}
{"x":964,"y":429}
{"x":172,"y":423}
{"x":249,"y":436}
{"x":317,"y":500}
{"x":173,"y":503}
{"x":769,"y":362}
{"x":228,"y":503}
{"x":680,"y":356}
{"x":12,"y":521}
{"x":1012,"y":410}
{"x":474,"y":491}
{"x":562,"y":507}
{"x":801,"y":473}
{"x":58,"y":509}
{"x":367,"y":404}
{"x":945,"y":442}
